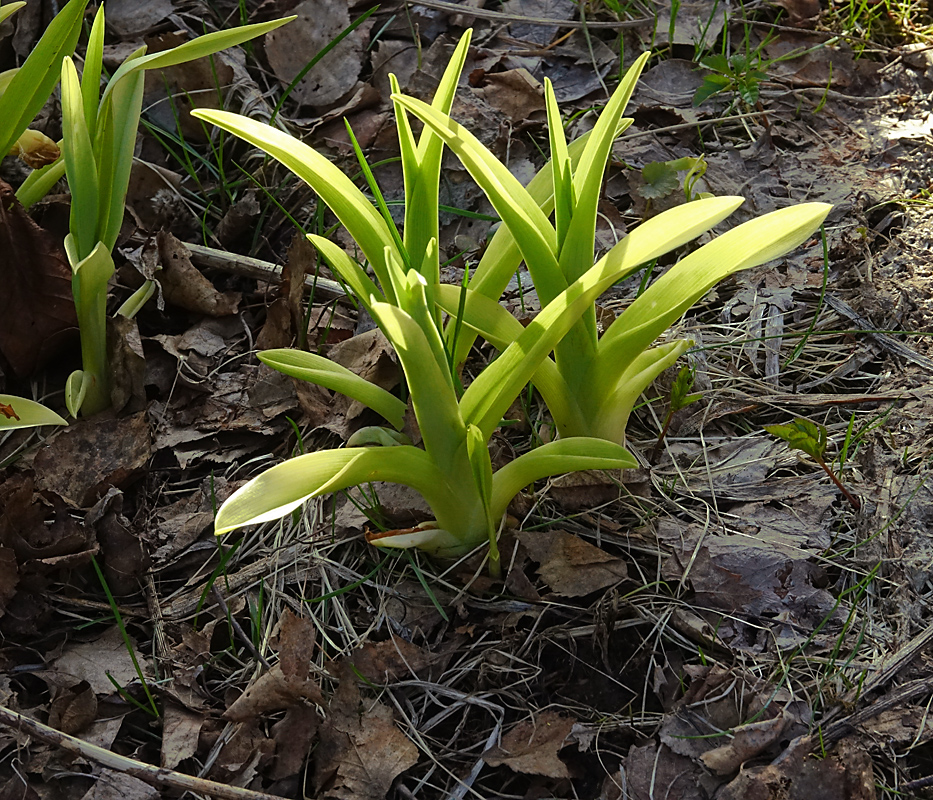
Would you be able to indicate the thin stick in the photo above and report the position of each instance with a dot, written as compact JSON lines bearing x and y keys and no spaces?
{"x":138,"y":769}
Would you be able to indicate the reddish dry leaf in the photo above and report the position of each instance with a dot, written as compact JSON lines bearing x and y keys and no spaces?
{"x":571,"y":566}
{"x":359,"y":754}
{"x":515,"y":93}
{"x":125,"y":557}
{"x":81,"y":461}
{"x":185,"y":286}
{"x":532,"y":746}
{"x":36,"y":308}
{"x":127,"y":364}
{"x":297,"y":636}
{"x":293,"y":737}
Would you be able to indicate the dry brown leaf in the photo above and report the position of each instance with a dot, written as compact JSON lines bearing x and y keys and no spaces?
{"x":359,"y":754}
{"x":844,"y":774}
{"x":36,"y":308}
{"x":654,"y":773}
{"x":125,"y":557}
{"x":9,"y":577}
{"x":516,"y":93}
{"x":570,"y":566}
{"x":127,"y":364}
{"x":183,"y":284}
{"x":81,"y":461}
{"x":293,"y":736}
{"x":73,"y":709}
{"x":112,"y":785}
{"x":532,"y":746}
{"x":181,"y":730}
{"x":289,"y":47}
{"x":391,"y":660}
{"x":747,"y":742}
{"x":273,"y":691}
{"x":94,"y":660}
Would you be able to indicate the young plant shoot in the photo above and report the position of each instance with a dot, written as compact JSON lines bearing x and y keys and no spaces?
{"x":99,"y":138}
{"x":592,"y":382}
{"x":453,"y":471}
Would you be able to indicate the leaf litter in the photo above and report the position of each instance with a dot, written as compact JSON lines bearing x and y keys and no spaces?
{"x":692,"y":629}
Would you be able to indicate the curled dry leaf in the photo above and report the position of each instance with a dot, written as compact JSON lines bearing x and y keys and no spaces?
{"x":185,"y":286}
{"x":747,"y":742}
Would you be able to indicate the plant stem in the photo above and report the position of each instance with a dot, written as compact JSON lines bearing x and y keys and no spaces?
{"x":855,"y":502}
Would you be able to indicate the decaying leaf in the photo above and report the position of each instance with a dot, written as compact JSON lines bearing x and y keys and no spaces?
{"x":92,"y":456}
{"x":571,"y":566}
{"x":361,"y":751}
{"x":93,"y":661}
{"x":290,"y":47}
{"x":533,"y":745}
{"x":36,"y":309}
{"x":183,"y":284}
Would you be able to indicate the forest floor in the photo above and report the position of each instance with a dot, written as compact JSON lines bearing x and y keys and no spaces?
{"x":721,"y":622}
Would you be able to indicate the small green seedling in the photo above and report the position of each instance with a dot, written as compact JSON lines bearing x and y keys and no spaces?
{"x":739,"y":74}
{"x":680,"y":398}
{"x":663,"y":177}
{"x":807,"y":436}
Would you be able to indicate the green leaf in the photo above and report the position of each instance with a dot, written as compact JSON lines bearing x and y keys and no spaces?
{"x":373,"y":435}
{"x":93,"y":67}
{"x":202,"y":46}
{"x":656,"y":309}
{"x":115,"y":145}
{"x":284,"y":487}
{"x":359,"y":283}
{"x":680,"y":390}
{"x":801,"y":434}
{"x":9,"y":9}
{"x":80,"y":164}
{"x":76,"y":387}
{"x":660,"y":180}
{"x":324,"y":372}
{"x":18,"y":412}
{"x":347,"y":202}
{"x":33,"y":83}
{"x":712,"y":85}
{"x":555,"y":458}
{"x":534,"y":235}
{"x":432,"y":393}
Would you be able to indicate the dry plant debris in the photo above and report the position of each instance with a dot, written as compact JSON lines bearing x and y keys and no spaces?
{"x":719,"y":623}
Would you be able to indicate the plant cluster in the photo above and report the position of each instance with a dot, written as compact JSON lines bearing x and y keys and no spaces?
{"x":589,"y":383}
{"x":98,"y":142}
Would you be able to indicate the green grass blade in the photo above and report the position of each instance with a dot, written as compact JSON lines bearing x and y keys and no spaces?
{"x":349,"y":271}
{"x":324,"y":372}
